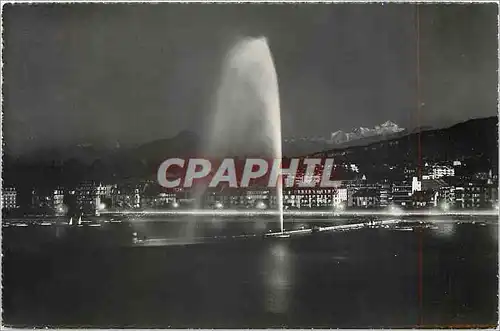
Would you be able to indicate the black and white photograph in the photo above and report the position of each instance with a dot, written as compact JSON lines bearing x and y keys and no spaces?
{"x":250,"y":165}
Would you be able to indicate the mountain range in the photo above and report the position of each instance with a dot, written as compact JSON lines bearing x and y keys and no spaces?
{"x":386,"y":129}
{"x":474,"y":143}
{"x":386,"y":143}
{"x":357,"y":136}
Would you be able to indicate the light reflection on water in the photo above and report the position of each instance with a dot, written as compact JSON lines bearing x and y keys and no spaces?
{"x":260,"y":226}
{"x":277,"y":277}
{"x":206,"y":227}
{"x":323,"y":279}
{"x":444,"y":230}
{"x":218,"y":223}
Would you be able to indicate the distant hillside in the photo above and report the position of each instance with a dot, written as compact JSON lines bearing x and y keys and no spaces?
{"x":87,"y":163}
{"x":474,"y":140}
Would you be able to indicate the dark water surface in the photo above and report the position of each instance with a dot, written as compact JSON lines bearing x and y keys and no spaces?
{"x":429,"y":276}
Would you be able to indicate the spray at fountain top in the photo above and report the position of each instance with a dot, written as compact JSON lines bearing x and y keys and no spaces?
{"x":246,"y":116}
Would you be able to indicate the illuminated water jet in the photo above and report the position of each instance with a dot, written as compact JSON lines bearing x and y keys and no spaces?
{"x":246,"y":119}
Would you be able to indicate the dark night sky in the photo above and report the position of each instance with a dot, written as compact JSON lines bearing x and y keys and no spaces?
{"x":134,"y":73}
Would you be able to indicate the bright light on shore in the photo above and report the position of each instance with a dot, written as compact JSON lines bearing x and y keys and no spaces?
{"x":395,"y":210}
{"x":261,"y":205}
{"x":175,"y":204}
{"x":445,"y":206}
{"x":339,"y":207}
{"x":61,"y":209}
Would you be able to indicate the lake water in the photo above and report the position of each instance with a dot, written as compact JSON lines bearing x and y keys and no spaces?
{"x":440,"y":273}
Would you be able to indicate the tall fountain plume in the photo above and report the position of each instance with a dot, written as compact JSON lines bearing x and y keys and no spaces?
{"x":246,"y":115}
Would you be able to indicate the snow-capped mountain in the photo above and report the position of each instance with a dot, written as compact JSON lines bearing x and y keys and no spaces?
{"x":387,"y":128}
{"x":341,"y":139}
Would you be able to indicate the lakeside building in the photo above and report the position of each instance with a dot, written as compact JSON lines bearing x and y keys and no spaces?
{"x":479,"y":191}
{"x":401,"y":194}
{"x":366,"y":198}
{"x":298,"y":198}
{"x":9,"y":198}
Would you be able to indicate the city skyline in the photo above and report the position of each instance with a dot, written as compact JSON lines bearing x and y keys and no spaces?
{"x":331,"y":60}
